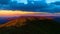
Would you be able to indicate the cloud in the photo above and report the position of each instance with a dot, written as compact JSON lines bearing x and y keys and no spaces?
{"x":42,"y":7}
{"x":4,"y":1}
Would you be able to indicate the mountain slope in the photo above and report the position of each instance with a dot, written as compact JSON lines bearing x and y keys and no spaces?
{"x":31,"y":25}
{"x":22,"y":20}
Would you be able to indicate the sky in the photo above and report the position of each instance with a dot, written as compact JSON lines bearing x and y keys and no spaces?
{"x":21,"y":1}
{"x":49,"y":1}
{"x":6,"y":5}
{"x":25,"y":1}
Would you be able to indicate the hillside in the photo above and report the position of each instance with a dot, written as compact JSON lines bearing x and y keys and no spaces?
{"x":21,"y":20}
{"x":30,"y":25}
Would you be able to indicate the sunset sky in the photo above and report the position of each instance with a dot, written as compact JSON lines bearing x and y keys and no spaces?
{"x":10,"y":13}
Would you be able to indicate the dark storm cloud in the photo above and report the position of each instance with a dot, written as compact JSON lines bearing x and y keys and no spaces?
{"x":4,"y":4}
{"x":4,"y":1}
{"x":37,"y":6}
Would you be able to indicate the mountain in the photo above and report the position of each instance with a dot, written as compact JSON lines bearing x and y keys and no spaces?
{"x":30,"y":25}
{"x":21,"y":20}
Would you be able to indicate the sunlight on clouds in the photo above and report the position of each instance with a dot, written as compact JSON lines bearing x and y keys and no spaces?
{"x":13,"y":13}
{"x":10,"y":13}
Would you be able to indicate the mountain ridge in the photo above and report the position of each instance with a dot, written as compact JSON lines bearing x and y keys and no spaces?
{"x":21,"y":20}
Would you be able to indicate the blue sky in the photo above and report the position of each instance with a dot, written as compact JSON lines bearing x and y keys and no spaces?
{"x":25,"y":1}
{"x":49,"y":1}
{"x":4,"y":4}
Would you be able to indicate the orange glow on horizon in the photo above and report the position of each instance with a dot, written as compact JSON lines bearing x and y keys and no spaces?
{"x":13,"y":13}
{"x":10,"y":13}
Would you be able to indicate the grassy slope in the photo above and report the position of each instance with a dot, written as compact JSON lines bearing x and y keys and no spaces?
{"x":32,"y":25}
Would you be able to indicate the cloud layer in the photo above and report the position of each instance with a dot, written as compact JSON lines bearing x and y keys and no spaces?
{"x":38,"y":6}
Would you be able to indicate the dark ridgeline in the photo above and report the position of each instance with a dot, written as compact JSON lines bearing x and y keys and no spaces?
{"x":33,"y":25}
